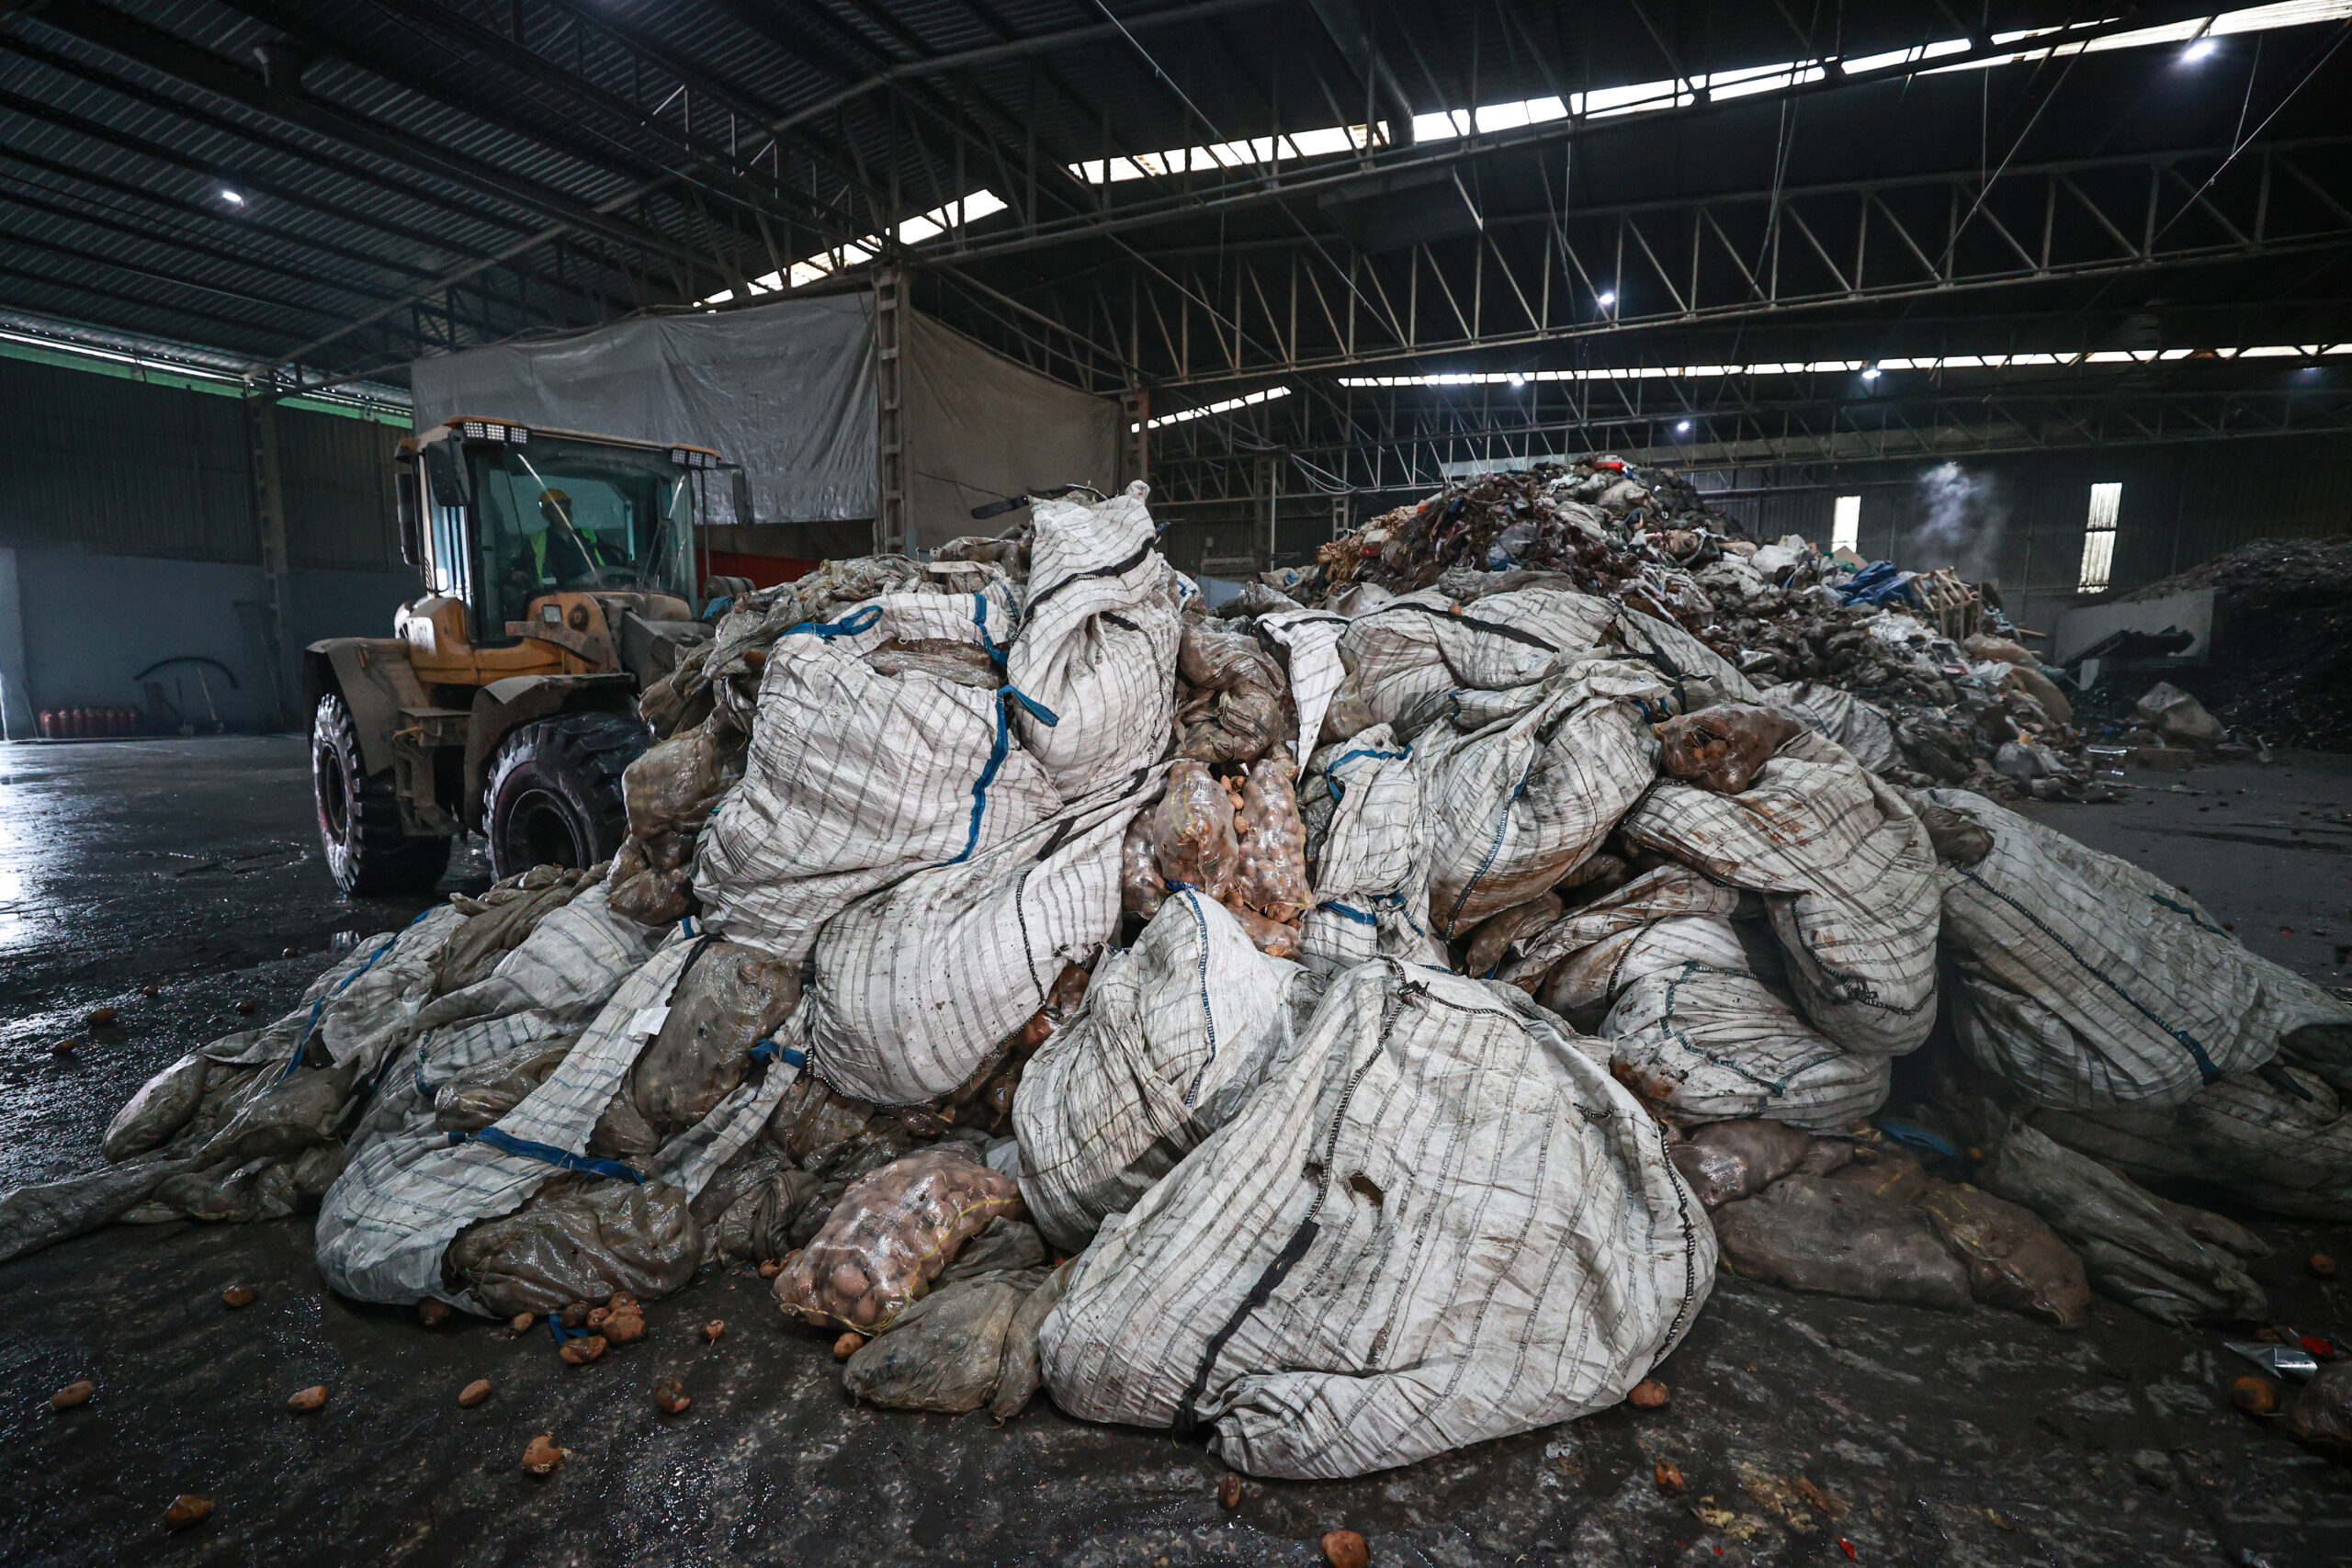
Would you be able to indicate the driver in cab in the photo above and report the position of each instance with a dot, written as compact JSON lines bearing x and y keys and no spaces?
{"x":577,"y":551}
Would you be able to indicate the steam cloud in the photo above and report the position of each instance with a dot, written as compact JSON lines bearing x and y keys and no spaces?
{"x":1963,"y":517}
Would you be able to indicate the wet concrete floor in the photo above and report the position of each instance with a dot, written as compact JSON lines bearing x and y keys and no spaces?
{"x":1930,"y":1438}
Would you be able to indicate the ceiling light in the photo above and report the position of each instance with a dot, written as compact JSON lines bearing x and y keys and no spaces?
{"x":1517,"y":380}
{"x":1607,"y":297}
{"x":2199,"y":49}
{"x":1682,"y":427}
{"x":1870,"y":374}
{"x":233,"y":196}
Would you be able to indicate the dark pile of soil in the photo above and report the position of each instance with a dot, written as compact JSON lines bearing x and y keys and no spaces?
{"x":2281,"y":665}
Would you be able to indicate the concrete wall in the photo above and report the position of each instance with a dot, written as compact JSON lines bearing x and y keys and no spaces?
{"x":128,"y":535}
{"x":2019,"y":519}
{"x":85,"y":625}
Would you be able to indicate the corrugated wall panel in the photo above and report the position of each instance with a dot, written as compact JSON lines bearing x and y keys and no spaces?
{"x":119,"y":466}
{"x":337,"y":475}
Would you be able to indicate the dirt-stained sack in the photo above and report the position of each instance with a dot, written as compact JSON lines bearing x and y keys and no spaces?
{"x":1422,"y":645}
{"x":1849,"y":878}
{"x":946,"y":1351}
{"x":1722,"y":748}
{"x":1520,"y":786}
{"x":2131,"y":1245}
{"x":1811,"y":1233}
{"x":1727,"y":1161}
{"x":730,"y":997}
{"x":161,"y":1108}
{"x":2279,"y":1139}
{"x":1497,"y":940}
{"x":2086,"y":982}
{"x":2014,"y":1260}
{"x":1862,"y":728}
{"x":1437,"y":1220}
{"x":578,"y":1241}
{"x":674,"y":786}
{"x":473,"y":1098}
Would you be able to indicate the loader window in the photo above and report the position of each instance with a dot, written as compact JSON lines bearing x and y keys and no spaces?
{"x":576,"y":515}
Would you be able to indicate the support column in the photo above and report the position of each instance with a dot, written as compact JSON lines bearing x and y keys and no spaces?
{"x":269,"y":515}
{"x":1135,"y":436}
{"x":16,"y":720}
{"x":890,"y":507}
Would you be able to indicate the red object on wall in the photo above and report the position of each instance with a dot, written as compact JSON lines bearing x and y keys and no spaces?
{"x":766,"y":572}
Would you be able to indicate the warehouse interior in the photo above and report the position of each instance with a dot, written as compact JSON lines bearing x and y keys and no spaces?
{"x":510,"y":498}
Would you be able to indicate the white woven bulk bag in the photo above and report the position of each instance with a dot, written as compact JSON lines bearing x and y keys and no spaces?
{"x":384,"y":1225}
{"x":915,"y":985}
{"x":1438,"y":1221}
{"x":1518,"y":787}
{"x":2084,"y":981}
{"x":1421,"y":645}
{"x":1367,"y":854}
{"x":1173,"y":1034}
{"x":1310,"y":643}
{"x":1694,"y":1028}
{"x":1690,"y":995}
{"x":1700,"y":677}
{"x":1847,"y":874}
{"x":2278,"y":1140}
{"x":855,"y":777}
{"x":1097,"y":642}
{"x":1861,"y":728}
{"x":1569,"y":966}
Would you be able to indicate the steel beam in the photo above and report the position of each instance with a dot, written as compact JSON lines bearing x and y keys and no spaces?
{"x":1393,"y":446}
{"x":1537,"y":278}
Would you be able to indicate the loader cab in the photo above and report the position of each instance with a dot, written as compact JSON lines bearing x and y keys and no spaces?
{"x":560,"y":582}
{"x":498,"y":517}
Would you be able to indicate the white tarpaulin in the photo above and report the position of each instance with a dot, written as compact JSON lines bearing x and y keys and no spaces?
{"x":788,"y":390}
{"x":978,"y":427}
{"x":785,"y":389}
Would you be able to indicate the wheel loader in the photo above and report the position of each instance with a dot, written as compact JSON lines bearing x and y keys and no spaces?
{"x":559,"y":580}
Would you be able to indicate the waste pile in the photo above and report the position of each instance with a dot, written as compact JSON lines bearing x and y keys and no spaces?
{"x":2279,"y":667}
{"x":1355,"y":1028}
{"x":1916,"y":675}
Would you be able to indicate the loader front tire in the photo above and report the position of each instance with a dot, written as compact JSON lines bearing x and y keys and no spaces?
{"x":555,"y":791}
{"x":359,"y":815}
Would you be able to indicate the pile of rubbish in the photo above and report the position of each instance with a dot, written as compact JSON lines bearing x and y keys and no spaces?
{"x":2280,"y":665}
{"x":1357,"y":1029}
{"x":1918,"y":675}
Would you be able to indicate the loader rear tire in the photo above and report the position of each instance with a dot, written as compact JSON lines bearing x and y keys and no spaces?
{"x":555,"y":791}
{"x":359,"y":815}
